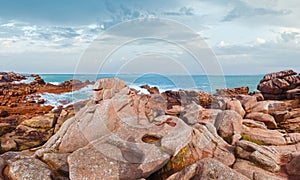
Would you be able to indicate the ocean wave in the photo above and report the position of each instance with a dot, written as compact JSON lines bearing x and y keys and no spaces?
{"x":66,"y":99}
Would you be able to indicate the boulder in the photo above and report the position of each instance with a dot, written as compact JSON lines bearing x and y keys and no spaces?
{"x":58,"y":162}
{"x":280,"y":74}
{"x":281,"y":83}
{"x":269,"y":87}
{"x":262,"y":117}
{"x":293,"y":167}
{"x":236,"y":106}
{"x":29,"y":169}
{"x":207,"y":168}
{"x":268,"y":106}
{"x":263,"y":137}
{"x":281,"y":116}
{"x":253,"y":172}
{"x":44,"y":121}
{"x":247,"y":101}
{"x":228,"y":124}
{"x":232,"y":92}
{"x":151,"y":90}
{"x":292,"y":125}
{"x":263,"y":157}
{"x":254,"y":124}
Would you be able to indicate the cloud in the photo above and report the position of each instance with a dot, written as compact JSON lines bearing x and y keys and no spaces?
{"x":244,"y":10}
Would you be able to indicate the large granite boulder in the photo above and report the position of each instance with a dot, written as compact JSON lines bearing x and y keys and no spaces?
{"x":279,"y":85}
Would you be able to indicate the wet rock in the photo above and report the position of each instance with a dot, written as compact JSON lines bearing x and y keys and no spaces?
{"x":262,"y":117}
{"x":207,"y":168}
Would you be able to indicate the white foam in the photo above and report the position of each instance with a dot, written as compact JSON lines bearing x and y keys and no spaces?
{"x":68,"y":98}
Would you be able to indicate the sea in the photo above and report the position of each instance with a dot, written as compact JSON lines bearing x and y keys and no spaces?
{"x":163,"y":82}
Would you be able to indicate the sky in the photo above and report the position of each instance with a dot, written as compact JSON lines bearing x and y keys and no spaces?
{"x":245,"y":36}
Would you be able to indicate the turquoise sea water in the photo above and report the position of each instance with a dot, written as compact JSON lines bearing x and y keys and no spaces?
{"x":171,"y":82}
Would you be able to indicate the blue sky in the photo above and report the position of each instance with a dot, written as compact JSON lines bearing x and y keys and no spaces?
{"x":247,"y":36}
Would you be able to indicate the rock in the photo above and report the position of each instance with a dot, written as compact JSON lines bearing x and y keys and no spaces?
{"x":280,"y":86}
{"x":27,"y":137}
{"x":207,"y":168}
{"x":280,"y":74}
{"x":281,"y":83}
{"x":292,"y":125}
{"x":293,"y":93}
{"x":295,"y":80}
{"x":151,"y":90}
{"x":269,"y":87}
{"x":254,"y":124}
{"x":3,"y":113}
{"x":232,"y":92}
{"x":41,"y":101}
{"x":281,"y":116}
{"x":268,"y":106}
{"x":263,"y":157}
{"x":29,"y":169}
{"x":263,"y":137}
{"x":253,"y":172}
{"x":175,"y":110}
{"x":228,"y":124}
{"x":45,"y":121}
{"x":191,"y":113}
{"x":293,"y":138}
{"x":247,"y":101}
{"x":293,"y":167}
{"x":106,"y":88}
{"x":31,"y":101}
{"x":257,"y":95}
{"x":2,"y":166}
{"x":185,"y":97}
{"x":236,"y":106}
{"x":58,"y":162}
{"x":262,"y":117}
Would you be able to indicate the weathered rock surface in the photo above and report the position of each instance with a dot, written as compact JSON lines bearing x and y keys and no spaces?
{"x":229,"y":125}
{"x":253,"y":172}
{"x":293,"y":167}
{"x":236,"y":106}
{"x":267,"y":119}
{"x":277,"y":86}
{"x":207,"y":168}
{"x":263,"y":136}
{"x":263,"y":157}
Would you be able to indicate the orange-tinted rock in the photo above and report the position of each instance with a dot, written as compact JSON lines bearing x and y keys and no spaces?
{"x":232,"y":92}
{"x":262,"y":117}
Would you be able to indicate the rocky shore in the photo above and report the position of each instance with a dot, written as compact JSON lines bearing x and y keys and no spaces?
{"x":122,"y":134}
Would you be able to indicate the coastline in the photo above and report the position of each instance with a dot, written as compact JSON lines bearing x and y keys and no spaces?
{"x":160,"y":134}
